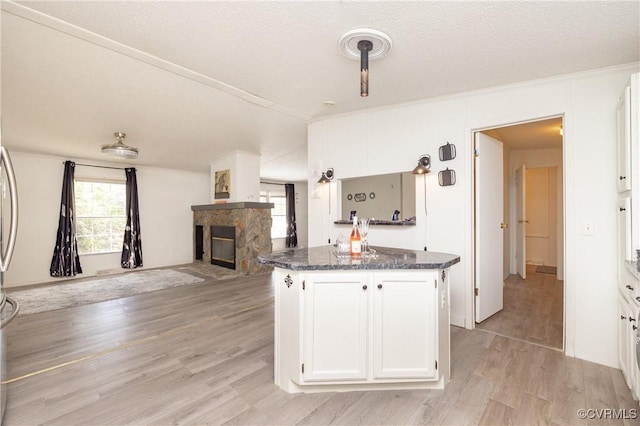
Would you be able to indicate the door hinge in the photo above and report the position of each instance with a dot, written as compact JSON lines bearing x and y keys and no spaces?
{"x":303,"y":286}
{"x":475,"y":291}
{"x":476,"y":153}
{"x":302,"y":368}
{"x":435,"y":283}
{"x":436,"y":364}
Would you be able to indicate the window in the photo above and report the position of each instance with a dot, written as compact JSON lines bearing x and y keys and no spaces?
{"x":100,"y":216}
{"x":278,"y":212}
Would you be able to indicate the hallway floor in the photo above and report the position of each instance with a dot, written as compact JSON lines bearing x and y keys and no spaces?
{"x":533,"y":310}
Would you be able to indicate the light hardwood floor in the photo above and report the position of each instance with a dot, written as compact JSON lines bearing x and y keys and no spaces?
{"x":203,"y":354}
{"x":533,"y":309}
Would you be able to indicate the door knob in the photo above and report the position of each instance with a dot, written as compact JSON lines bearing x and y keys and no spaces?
{"x":364,"y":287}
{"x":504,"y":225}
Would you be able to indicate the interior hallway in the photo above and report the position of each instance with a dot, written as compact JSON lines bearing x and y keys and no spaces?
{"x":533,"y":309}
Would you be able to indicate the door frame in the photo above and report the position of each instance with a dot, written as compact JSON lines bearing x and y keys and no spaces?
{"x":470,"y":288}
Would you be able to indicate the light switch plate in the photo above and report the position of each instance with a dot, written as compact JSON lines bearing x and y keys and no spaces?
{"x":587,"y":228}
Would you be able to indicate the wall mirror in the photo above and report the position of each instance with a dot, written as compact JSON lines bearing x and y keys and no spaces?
{"x":378,"y":197}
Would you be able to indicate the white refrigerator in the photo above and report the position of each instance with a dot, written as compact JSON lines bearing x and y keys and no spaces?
{"x":8,"y":307}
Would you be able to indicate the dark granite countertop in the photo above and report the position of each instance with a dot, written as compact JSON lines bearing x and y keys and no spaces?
{"x":325,"y":258}
{"x":380,"y":222}
{"x":633,"y":268}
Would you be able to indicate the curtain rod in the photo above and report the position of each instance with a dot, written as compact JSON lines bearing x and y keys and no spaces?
{"x":100,"y":167}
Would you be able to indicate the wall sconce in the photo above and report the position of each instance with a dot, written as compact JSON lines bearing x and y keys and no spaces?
{"x":424,"y":165}
{"x":326,"y":176}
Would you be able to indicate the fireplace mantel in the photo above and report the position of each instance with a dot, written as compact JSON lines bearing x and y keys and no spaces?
{"x":229,"y":206}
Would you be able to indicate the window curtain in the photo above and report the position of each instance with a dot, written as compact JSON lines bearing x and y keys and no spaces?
{"x":65,"y":261}
{"x":292,"y":234}
{"x":132,"y":245}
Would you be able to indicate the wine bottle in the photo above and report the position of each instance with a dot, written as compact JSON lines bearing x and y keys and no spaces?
{"x":355,"y":240}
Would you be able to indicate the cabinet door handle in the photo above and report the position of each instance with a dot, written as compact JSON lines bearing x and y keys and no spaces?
{"x":364,"y":287}
{"x":629,"y":287}
{"x":622,"y":317}
{"x":622,"y":209}
{"x":379,"y":285}
{"x":632,"y":319}
{"x":623,"y":177}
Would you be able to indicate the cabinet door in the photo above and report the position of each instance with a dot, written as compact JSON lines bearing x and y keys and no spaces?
{"x":624,"y":348}
{"x":335,"y":327}
{"x":405,"y":325}
{"x":624,"y":235}
{"x":624,"y":140}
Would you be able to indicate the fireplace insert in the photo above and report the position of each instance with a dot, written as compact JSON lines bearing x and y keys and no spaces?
{"x":223,"y":246}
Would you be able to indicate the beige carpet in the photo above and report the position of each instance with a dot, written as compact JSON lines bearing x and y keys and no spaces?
{"x":77,"y":292}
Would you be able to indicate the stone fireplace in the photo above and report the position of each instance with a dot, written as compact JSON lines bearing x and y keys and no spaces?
{"x":248,"y":222}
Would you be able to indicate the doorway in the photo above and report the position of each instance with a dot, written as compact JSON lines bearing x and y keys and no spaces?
{"x":530,"y":225}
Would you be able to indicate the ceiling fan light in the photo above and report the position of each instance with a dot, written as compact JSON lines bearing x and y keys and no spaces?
{"x":119,"y":149}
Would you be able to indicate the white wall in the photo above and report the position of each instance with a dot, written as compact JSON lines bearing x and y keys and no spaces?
{"x":166,"y":219}
{"x":302,"y":213}
{"x":244,"y":169}
{"x":587,"y":101}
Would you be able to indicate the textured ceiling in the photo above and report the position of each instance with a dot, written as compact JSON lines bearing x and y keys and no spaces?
{"x":190,"y":82}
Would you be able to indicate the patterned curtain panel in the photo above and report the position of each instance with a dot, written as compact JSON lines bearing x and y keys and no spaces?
{"x":132,"y":245}
{"x":292,"y":233}
{"x":65,"y":261}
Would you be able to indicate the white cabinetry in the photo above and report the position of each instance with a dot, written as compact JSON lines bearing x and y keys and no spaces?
{"x":628,"y":229}
{"x":624,"y":140}
{"x":360,"y":330}
{"x":404,"y":337}
{"x":625,"y":344}
{"x":336,"y":309}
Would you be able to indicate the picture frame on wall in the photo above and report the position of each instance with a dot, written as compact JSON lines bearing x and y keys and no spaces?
{"x":222,"y":184}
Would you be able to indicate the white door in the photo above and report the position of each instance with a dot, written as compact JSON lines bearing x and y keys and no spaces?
{"x":335,"y":327}
{"x":405,"y":325}
{"x":521,"y":222}
{"x":488,"y":226}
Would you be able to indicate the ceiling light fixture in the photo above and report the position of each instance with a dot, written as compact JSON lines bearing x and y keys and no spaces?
{"x":424,"y":165}
{"x":365,"y":44}
{"x":119,"y":149}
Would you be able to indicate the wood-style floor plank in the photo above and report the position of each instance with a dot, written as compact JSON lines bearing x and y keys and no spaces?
{"x":203,"y":354}
{"x":533,"y":310}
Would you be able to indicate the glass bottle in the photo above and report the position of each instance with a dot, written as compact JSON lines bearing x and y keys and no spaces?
{"x":355,"y":240}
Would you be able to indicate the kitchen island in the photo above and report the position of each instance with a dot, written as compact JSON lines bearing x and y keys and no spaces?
{"x":378,"y":321}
